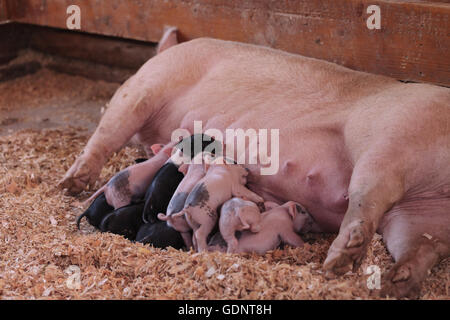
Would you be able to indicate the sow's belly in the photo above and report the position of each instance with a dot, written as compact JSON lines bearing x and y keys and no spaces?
{"x":327,"y":215}
{"x":317,"y":180}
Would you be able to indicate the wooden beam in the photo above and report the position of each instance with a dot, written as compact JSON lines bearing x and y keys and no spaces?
{"x":4,"y":16}
{"x":11,"y":72}
{"x":13,"y":37}
{"x":121,"y":53}
{"x":412,"y":44}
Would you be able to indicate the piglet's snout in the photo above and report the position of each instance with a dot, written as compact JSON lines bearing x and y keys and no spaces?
{"x":256,"y":228}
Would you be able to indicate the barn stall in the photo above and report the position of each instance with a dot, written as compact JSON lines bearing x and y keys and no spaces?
{"x":55,"y":84}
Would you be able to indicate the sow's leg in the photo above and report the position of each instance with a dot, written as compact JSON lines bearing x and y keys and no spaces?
{"x":375,"y":185}
{"x":417,"y":239}
{"x":120,"y":122}
{"x":130,"y":108}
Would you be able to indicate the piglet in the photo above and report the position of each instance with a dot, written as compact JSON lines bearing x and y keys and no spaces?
{"x":129,"y":185}
{"x":222,"y":181}
{"x":96,"y":212}
{"x":238,"y":215}
{"x":160,"y":191}
{"x":279,"y":225}
{"x":124,"y":221}
{"x":192,"y":174}
{"x":167,"y":179}
{"x":217,"y":243}
{"x":159,"y":235}
{"x":100,"y":208}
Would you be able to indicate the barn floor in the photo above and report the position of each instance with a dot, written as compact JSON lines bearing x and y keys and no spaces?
{"x":46,"y":119}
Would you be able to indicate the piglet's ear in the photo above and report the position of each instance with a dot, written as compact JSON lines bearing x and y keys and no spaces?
{"x":206,"y":166}
{"x":241,"y":215}
{"x":292,"y":209}
{"x":156,"y":148}
{"x":168,"y":151}
{"x":183,"y":168}
{"x":207,"y":161}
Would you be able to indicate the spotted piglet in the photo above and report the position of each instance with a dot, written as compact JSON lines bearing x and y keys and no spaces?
{"x":192,"y":174}
{"x":222,"y":181}
{"x":279,"y":225}
{"x":238,"y":215}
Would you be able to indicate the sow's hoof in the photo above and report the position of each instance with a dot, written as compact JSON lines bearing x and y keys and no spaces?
{"x":402,"y":281}
{"x":124,"y":221}
{"x":160,"y":235}
{"x":96,"y":212}
{"x":348,"y":250}
{"x":79,"y":176}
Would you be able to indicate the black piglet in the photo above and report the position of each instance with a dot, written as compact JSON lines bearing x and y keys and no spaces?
{"x":98,"y":210}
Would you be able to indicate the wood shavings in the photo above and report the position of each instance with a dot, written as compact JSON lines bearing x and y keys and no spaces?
{"x":42,"y":251}
{"x":428,"y":236}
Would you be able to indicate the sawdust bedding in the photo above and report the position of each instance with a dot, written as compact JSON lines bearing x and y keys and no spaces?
{"x":39,"y":242}
{"x":41,"y":249}
{"x":47,"y":86}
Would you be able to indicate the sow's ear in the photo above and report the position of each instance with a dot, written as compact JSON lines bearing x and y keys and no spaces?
{"x":169,"y":39}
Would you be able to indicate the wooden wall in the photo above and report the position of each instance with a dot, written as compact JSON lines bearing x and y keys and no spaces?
{"x":412,"y":44}
{"x":3,"y":11}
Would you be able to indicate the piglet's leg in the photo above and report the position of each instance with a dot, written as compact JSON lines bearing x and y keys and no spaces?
{"x":194,"y":242}
{"x":291,"y":238}
{"x":201,"y":234}
{"x":417,"y":241}
{"x":232,"y":243}
{"x":375,"y":186}
{"x":187,"y":238}
{"x":242,"y":192}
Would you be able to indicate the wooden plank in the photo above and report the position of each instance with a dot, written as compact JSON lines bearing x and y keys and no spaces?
{"x":122,"y":53}
{"x":87,"y":69}
{"x":13,"y":37}
{"x":4,"y":16}
{"x":12,"y":72}
{"x":412,"y":44}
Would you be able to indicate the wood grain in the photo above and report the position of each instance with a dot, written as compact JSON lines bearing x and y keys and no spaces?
{"x":3,"y":11}
{"x":13,"y":37}
{"x":122,"y":53}
{"x":413,"y":43}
